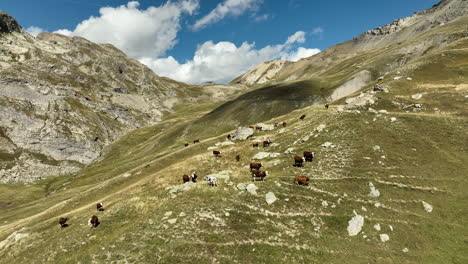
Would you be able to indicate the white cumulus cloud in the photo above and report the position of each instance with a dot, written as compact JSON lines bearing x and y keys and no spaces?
{"x":223,"y":61}
{"x":139,"y":33}
{"x":300,"y":53}
{"x":226,"y":8}
{"x":34,"y":31}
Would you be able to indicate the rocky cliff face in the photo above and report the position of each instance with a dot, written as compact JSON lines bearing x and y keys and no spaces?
{"x":405,"y":38}
{"x":62,"y":99}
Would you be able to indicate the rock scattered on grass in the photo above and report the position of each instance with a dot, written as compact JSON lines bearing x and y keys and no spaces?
{"x":416,"y":96}
{"x":373,"y":191}
{"x":172,"y":221}
{"x":252,"y":188}
{"x":270,"y":198}
{"x":377,"y":227}
{"x":427,"y":207}
{"x":405,"y":250}
{"x":384,"y":237}
{"x":355,"y":224}
{"x":327,"y":144}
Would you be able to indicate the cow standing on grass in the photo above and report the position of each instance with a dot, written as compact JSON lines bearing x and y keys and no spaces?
{"x":309,"y":156}
{"x":238,"y":158}
{"x":100,"y":207}
{"x":298,"y":161}
{"x":63,"y":222}
{"x":216,"y":153}
{"x":285,"y":124}
{"x":301,"y":180}
{"x":211,"y":181}
{"x":302,"y":117}
{"x":94,"y":221}
{"x":255,"y":166}
{"x":267,"y":143}
{"x":193,"y":177}
{"x":185,"y":178}
{"x":259,"y":174}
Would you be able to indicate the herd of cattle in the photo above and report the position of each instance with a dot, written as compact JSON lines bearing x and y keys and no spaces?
{"x":255,"y":167}
{"x":255,"y":170}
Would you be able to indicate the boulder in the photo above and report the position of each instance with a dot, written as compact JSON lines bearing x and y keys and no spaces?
{"x":380,"y":88}
{"x":270,"y":198}
{"x":225,"y":174}
{"x":326,"y":144}
{"x":180,"y":188}
{"x":416,"y":96}
{"x":242,"y":133}
{"x":427,"y":207}
{"x":241,"y":186}
{"x":266,"y":127}
{"x":251,"y":188}
{"x":289,"y":151}
{"x":355,"y":224}
{"x":384,"y":237}
{"x":373,"y":191}
{"x":261,"y":155}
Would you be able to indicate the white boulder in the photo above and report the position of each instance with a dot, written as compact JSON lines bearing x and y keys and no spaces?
{"x":355,"y":224}
{"x":384,"y":237}
{"x":251,"y":188}
{"x":373,"y":191}
{"x":270,"y":198}
{"x":242,"y":133}
{"x":427,"y":207}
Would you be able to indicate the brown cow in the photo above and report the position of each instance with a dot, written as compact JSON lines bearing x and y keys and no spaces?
{"x":327,"y":106}
{"x":99,"y":207}
{"x":255,"y":166}
{"x":255,"y":144}
{"x":309,"y":156}
{"x":298,"y":161}
{"x":285,"y":124}
{"x":238,"y":158}
{"x":302,"y":117}
{"x":63,"y":222}
{"x":196,"y":141}
{"x":301,"y":180}
{"x":186,"y":144}
{"x":253,"y":127}
{"x":185,"y":178}
{"x":259,"y":174}
{"x":217,"y":153}
{"x":229,"y":137}
{"x":259,"y":128}
{"x":94,"y":221}
{"x":267,"y":143}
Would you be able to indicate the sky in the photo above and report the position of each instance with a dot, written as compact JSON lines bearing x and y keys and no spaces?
{"x":198,"y":41}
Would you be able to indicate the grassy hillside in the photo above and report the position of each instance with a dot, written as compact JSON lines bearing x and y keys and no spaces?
{"x":422,"y":157}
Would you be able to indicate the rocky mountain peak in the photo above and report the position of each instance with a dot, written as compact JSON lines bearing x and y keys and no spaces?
{"x":8,"y":24}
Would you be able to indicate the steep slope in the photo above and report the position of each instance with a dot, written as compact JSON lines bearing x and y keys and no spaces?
{"x":262,"y":73}
{"x":403,"y":40}
{"x":63,"y":99}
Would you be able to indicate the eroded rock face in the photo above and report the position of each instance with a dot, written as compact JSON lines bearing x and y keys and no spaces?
{"x":242,"y":133}
{"x":62,"y":99}
{"x":8,"y":24}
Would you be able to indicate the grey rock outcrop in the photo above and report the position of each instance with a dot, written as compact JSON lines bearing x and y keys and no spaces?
{"x":242,"y":133}
{"x":8,"y":24}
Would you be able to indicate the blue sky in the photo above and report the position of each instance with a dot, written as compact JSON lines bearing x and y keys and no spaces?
{"x":211,"y":40}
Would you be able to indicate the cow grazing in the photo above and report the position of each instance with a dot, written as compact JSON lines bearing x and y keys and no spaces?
{"x":94,"y":221}
{"x":229,"y":137}
{"x":186,"y":144}
{"x":267,"y":143}
{"x":211,"y":181}
{"x":194,"y":177}
{"x":216,"y":153}
{"x":185,"y":178}
{"x":327,"y":106}
{"x":298,"y":161}
{"x":301,"y":180}
{"x":285,"y":124}
{"x":309,"y":156}
{"x":253,"y":127}
{"x":275,"y":124}
{"x":259,"y":128}
{"x":259,"y":174}
{"x":255,"y":166}
{"x":100,"y":207}
{"x":302,"y":117}
{"x":255,"y":144}
{"x":238,"y":158}
{"x":63,"y":222}
{"x":196,"y":141}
